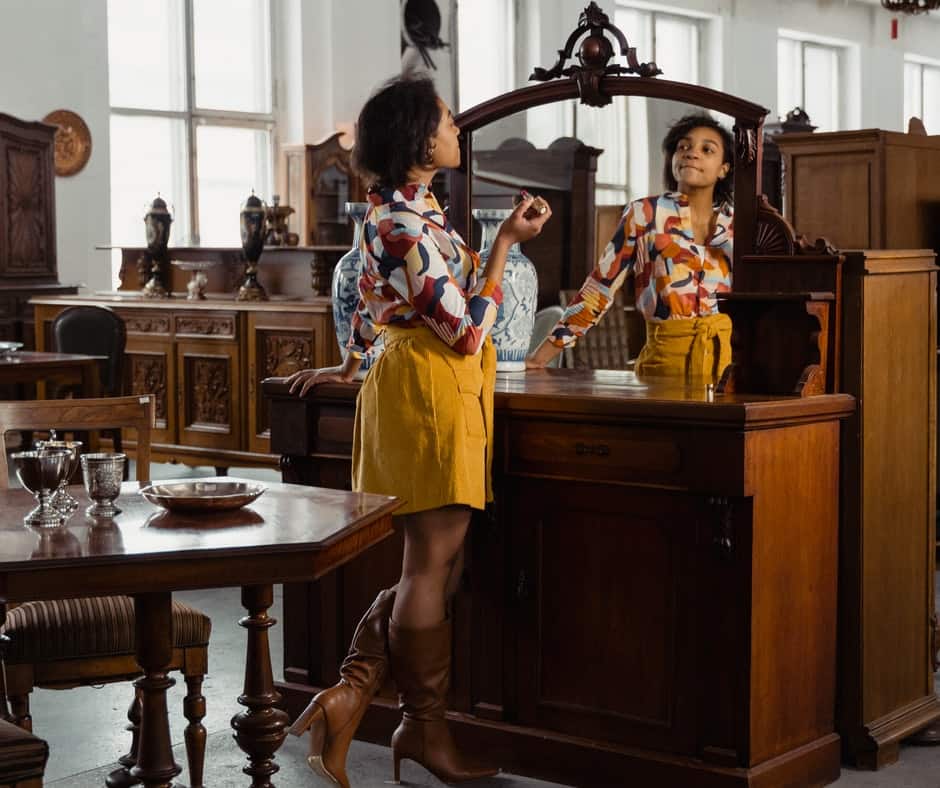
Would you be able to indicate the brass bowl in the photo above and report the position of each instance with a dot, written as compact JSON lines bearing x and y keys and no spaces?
{"x":202,"y":496}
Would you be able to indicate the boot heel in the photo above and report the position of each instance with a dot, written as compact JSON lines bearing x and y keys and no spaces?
{"x":312,"y":714}
{"x":396,"y":768}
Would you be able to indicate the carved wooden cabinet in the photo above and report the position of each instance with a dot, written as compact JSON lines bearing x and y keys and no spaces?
{"x":654,"y":602}
{"x":204,"y":362}
{"x":320,"y":180}
{"x":27,"y":224}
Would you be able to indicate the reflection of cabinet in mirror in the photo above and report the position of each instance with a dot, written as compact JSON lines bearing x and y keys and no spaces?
{"x":562,"y":174}
{"x":320,"y":180}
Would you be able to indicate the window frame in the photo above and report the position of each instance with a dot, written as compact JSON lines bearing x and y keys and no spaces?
{"x":843,"y":51}
{"x":922,"y":63}
{"x":194,"y":116}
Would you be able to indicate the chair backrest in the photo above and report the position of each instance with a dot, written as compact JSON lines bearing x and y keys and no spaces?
{"x":605,"y":345}
{"x":545,"y":320}
{"x":80,"y":414}
{"x":94,"y":331}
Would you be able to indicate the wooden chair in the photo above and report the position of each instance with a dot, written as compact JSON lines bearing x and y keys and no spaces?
{"x":608,"y":344}
{"x":22,"y":757}
{"x":77,"y":642}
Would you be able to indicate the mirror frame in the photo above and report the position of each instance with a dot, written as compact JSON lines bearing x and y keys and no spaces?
{"x":595,"y":82}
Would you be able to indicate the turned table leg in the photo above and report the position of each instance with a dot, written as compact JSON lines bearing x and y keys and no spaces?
{"x":155,"y":766}
{"x":261,"y":729}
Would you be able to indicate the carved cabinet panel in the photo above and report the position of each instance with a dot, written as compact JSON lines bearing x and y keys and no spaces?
{"x":209,"y":393}
{"x":150,"y":368}
{"x":279,"y":344}
{"x":27,"y":200}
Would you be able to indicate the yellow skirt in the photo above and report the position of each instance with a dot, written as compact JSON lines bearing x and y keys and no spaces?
{"x":693,"y":348}
{"x":424,"y":423}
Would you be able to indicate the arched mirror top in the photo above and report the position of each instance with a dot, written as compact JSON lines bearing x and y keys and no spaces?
{"x":592,"y":76}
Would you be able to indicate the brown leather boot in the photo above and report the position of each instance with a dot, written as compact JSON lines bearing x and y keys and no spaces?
{"x":334,"y":714}
{"x":420,"y":661}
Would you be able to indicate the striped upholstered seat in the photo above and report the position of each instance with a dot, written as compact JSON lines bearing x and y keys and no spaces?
{"x":99,"y":626}
{"x":22,"y":757}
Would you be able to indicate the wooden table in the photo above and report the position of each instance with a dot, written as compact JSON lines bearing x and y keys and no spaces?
{"x":654,"y":602}
{"x":34,"y":367}
{"x":289,"y":534}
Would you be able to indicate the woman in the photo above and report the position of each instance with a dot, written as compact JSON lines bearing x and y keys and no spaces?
{"x":678,"y":245}
{"x":423,"y":422}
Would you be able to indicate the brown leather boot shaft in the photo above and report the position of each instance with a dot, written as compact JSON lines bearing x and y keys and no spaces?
{"x":420,"y":661}
{"x":366,"y":662}
{"x":336,"y":712}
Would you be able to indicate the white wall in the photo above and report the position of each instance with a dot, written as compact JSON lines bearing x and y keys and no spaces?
{"x":54,"y":55}
{"x":330,"y":55}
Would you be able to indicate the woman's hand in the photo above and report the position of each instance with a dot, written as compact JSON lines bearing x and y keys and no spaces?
{"x":519,"y":228}
{"x":305,"y":379}
{"x":542,"y":355}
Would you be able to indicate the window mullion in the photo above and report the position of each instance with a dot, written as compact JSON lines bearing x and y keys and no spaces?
{"x":191,"y":124}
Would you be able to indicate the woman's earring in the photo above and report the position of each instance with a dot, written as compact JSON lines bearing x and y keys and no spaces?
{"x":429,"y":153}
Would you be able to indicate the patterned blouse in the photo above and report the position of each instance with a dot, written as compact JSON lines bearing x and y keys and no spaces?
{"x":676,"y":278}
{"x":416,"y":270}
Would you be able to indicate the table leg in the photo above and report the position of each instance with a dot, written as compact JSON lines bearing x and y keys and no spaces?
{"x":153,"y":612}
{"x":261,"y":729}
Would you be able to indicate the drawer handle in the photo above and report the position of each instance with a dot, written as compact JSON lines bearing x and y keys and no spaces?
{"x":600,"y":449}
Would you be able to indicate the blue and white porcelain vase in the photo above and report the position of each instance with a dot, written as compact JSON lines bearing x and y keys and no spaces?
{"x":345,"y":289}
{"x":516,"y":317}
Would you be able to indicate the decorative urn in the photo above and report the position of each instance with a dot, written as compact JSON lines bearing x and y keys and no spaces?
{"x":157,"y":223}
{"x":345,"y":288}
{"x":516,"y":317}
{"x":253,"y":225}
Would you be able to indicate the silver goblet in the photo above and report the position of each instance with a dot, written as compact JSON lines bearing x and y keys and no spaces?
{"x":40,"y":472}
{"x":63,"y":499}
{"x":103,"y":473}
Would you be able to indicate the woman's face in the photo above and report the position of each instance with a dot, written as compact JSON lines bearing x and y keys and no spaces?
{"x":446,"y":147}
{"x":698,"y":162}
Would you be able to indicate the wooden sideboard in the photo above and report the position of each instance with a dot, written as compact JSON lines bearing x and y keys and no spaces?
{"x":204,"y":362}
{"x":654,"y":602}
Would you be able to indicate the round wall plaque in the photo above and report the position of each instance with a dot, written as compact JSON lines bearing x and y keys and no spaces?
{"x":72,"y":141}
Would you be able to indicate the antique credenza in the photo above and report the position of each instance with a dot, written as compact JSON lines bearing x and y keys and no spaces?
{"x":653,"y":601}
{"x":204,"y":361}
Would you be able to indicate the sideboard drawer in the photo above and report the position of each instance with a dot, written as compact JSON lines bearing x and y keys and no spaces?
{"x":205,"y":326}
{"x":630,"y":455}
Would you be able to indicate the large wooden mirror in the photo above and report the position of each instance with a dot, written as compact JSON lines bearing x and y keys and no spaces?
{"x":513,"y":142}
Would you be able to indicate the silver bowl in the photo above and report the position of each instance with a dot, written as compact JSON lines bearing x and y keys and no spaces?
{"x":200,"y":496}
{"x":41,"y":472}
{"x":103,"y":473}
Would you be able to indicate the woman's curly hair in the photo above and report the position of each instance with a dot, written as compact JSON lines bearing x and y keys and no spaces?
{"x":724,"y":188}
{"x":394,"y":130}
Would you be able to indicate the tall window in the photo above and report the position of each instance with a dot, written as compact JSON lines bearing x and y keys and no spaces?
{"x":809,"y":75}
{"x":922,"y":93}
{"x":191,"y":114}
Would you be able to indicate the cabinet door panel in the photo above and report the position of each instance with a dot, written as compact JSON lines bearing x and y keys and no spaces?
{"x":150,"y":368}
{"x":635,"y":550}
{"x":279,"y":344}
{"x":209,"y":394}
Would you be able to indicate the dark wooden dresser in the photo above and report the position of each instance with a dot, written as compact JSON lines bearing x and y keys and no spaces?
{"x":653,"y":601}
{"x":27,"y":225}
